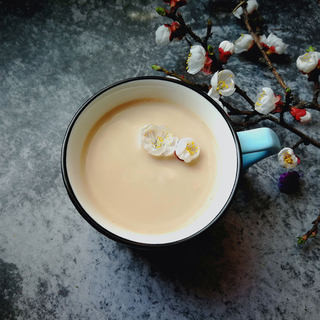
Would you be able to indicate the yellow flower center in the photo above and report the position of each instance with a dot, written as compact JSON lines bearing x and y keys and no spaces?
{"x":262,"y":94}
{"x":306,"y":57}
{"x":191,"y":148}
{"x":287,"y":158}
{"x":189,"y":57}
{"x":224,"y":84}
{"x":158,"y":142}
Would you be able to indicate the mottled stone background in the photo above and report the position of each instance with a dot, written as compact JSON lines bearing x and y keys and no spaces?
{"x":53,"y":265}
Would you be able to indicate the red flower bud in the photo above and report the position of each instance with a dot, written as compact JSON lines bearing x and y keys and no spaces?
{"x":278,"y":104}
{"x":176,"y":3}
{"x":207,"y":65}
{"x":298,"y":113}
{"x":175,"y":31}
{"x":224,"y":55}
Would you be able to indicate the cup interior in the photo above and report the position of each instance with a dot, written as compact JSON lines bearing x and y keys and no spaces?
{"x":228,"y":159}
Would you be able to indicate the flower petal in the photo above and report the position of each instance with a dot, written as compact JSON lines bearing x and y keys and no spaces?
{"x":162,"y":35}
{"x":226,"y":86}
{"x":196,"y":59}
{"x":308,"y":61}
{"x":266,"y":101}
{"x":243,"y":43}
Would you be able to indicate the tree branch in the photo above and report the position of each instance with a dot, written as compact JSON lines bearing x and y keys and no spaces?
{"x":316,"y":91}
{"x":264,"y":54}
{"x":203,"y":86}
{"x":178,"y":17}
{"x":244,"y":95}
{"x":208,"y":34}
{"x":311,"y":233}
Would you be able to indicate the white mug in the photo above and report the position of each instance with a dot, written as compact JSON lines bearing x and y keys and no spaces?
{"x":236,"y":151}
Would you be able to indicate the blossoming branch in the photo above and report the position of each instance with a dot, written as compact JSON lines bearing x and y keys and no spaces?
{"x":268,"y":105}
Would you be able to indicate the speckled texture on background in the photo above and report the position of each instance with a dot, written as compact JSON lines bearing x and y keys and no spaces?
{"x":53,"y":265}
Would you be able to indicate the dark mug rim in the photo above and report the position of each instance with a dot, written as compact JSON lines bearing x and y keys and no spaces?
{"x":83,"y":212}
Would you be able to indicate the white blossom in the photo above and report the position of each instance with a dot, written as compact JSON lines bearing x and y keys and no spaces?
{"x":308,"y":61}
{"x":187,"y":150}
{"x":273,"y":43}
{"x":227,"y":46}
{"x":287,"y":158}
{"x":266,"y":101}
{"x":157,"y":141}
{"x":222,"y":83}
{"x":252,"y":5}
{"x":243,"y":43}
{"x":196,"y":59}
{"x":162,"y":35}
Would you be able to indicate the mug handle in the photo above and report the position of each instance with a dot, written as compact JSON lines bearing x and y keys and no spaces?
{"x":257,"y":144}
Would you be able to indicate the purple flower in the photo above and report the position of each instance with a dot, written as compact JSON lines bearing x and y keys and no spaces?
{"x":289,"y":182}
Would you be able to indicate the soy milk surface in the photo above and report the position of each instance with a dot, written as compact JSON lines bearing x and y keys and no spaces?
{"x":139,"y":192}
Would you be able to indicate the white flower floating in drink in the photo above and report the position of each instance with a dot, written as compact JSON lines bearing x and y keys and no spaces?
{"x":187,"y":150}
{"x":157,"y":141}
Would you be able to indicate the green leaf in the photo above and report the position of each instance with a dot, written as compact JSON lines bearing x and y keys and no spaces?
{"x":161,"y":11}
{"x":311,"y":49}
{"x":301,"y":240}
{"x":210,"y":49}
{"x":156,"y":67}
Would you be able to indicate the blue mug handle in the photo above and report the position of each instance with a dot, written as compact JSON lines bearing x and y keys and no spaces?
{"x":257,"y":144}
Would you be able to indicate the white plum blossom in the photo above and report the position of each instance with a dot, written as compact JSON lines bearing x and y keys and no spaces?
{"x":227,"y":46}
{"x":243,"y":43}
{"x":222,"y":83}
{"x":287,"y":158}
{"x":226,"y":49}
{"x":163,"y":35}
{"x":198,"y":60}
{"x":266,"y":101}
{"x":252,"y":5}
{"x":187,"y":150}
{"x":157,"y":141}
{"x":273,"y":43}
{"x":308,"y":61}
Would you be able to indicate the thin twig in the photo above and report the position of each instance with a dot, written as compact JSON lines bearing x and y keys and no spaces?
{"x":178,"y":17}
{"x":307,"y":139}
{"x":208,"y":34}
{"x":264,"y":54}
{"x":297,"y":144}
{"x":203,"y":86}
{"x":311,"y":233}
{"x":237,"y":111}
{"x":244,"y":95}
{"x":316,"y":91}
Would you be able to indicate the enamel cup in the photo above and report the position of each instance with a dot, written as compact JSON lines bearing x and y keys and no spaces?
{"x":237,"y":151}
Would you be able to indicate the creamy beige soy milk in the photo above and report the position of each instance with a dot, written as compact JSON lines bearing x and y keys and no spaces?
{"x":135,"y":190}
